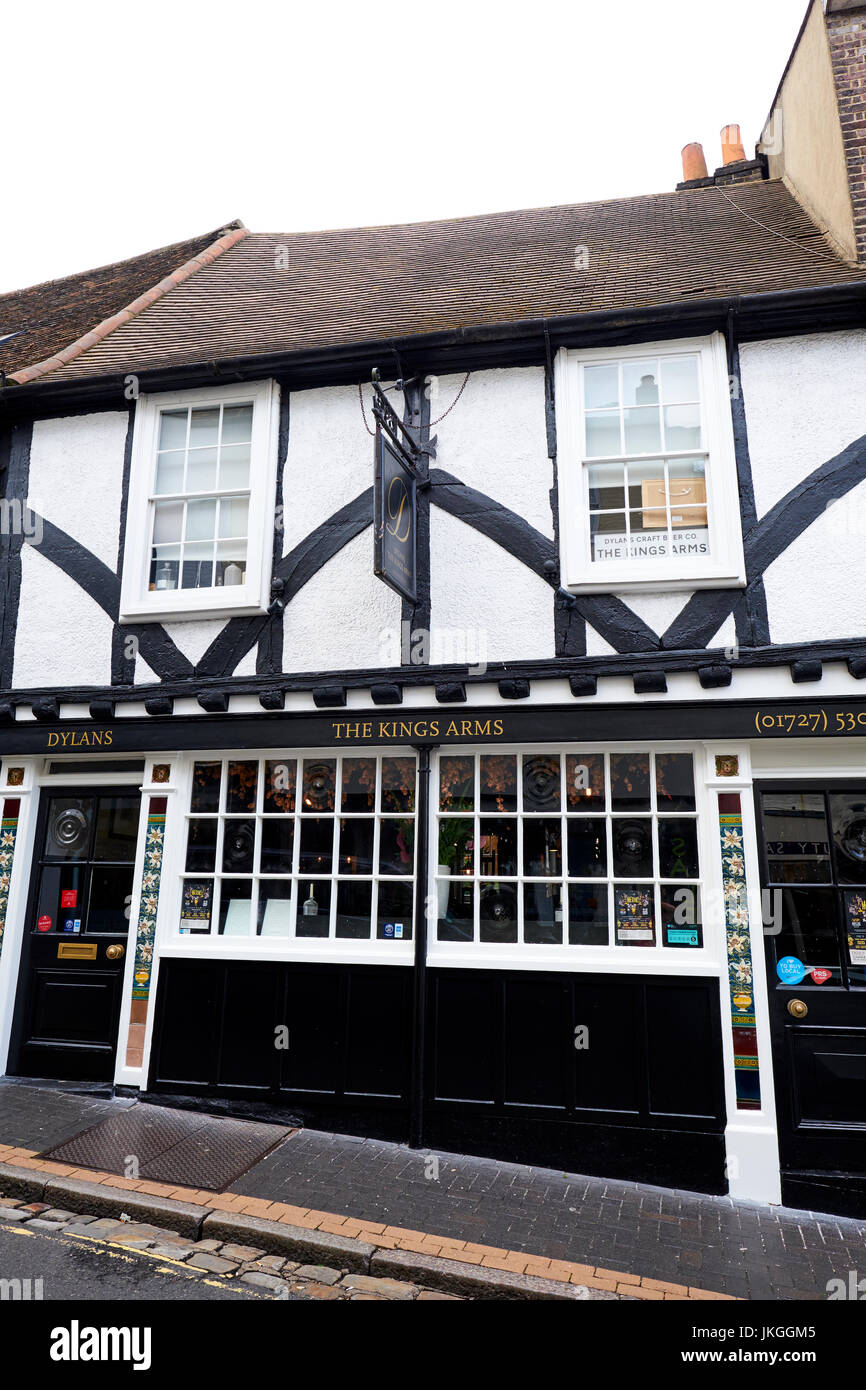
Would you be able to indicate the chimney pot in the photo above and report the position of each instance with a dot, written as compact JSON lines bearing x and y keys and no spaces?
{"x":732,"y":145}
{"x":694,"y":164}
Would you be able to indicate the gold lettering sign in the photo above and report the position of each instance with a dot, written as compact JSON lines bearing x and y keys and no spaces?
{"x":408,"y":730}
{"x":98,"y":738}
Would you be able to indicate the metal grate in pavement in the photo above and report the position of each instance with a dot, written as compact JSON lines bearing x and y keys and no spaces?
{"x":156,"y":1144}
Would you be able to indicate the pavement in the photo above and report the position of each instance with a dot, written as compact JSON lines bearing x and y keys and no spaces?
{"x":456,"y":1223}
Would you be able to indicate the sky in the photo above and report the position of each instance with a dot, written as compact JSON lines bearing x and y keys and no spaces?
{"x":128,"y":127}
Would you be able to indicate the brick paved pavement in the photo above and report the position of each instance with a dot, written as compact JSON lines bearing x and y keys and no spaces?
{"x":744,"y":1249}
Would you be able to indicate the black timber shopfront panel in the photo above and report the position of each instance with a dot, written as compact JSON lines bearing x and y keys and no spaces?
{"x":643,"y":1101}
{"x":346,"y":1030}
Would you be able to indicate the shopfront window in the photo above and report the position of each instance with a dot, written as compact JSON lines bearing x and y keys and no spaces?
{"x":303,"y":847}
{"x":568,"y":848}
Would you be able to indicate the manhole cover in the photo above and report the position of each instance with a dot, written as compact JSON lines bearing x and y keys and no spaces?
{"x":176,"y":1146}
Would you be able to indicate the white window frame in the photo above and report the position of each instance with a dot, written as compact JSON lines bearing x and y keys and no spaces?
{"x":140,"y":604}
{"x":725,"y":566}
{"x":655,"y":959}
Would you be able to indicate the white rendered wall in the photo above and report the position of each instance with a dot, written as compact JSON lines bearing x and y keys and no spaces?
{"x":76,"y":478}
{"x":805,"y":401}
{"x":340,"y":619}
{"x":63,"y":638}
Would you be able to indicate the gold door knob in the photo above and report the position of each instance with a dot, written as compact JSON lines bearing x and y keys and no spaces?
{"x":796,"y":1008}
{"x":114,"y":952}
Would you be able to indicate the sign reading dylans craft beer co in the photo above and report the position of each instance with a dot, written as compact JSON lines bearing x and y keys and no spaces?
{"x":394,"y":501}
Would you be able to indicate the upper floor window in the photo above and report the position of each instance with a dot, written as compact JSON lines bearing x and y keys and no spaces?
{"x":648,"y":481}
{"x":198,"y":538}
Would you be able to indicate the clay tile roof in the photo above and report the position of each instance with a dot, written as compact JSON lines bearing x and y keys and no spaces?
{"x":285,"y":293}
{"x":40,"y":321}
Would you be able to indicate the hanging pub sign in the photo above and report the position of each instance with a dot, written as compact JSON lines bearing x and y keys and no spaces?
{"x":395,"y":513}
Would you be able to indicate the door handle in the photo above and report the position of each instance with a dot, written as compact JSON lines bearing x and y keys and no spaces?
{"x":796,"y":1007}
{"x":114,"y":952}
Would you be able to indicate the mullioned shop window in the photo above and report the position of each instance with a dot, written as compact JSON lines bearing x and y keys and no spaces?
{"x":568,"y":849}
{"x":305,"y":848}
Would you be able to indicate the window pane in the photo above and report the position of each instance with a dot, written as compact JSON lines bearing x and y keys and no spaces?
{"x":395,"y":912}
{"x":239,"y":837}
{"x":680,"y":379}
{"x":172,"y":429}
{"x":456,"y":839}
{"x":201,"y":470}
{"x":584,"y":781}
{"x":234,"y":516}
{"x":279,"y":790}
{"x":587,"y":848}
{"x":587,"y":915}
{"x":602,"y":434}
{"x":634,"y":914}
{"x":601,"y":386}
{"x":314,"y":906}
{"x":808,"y":921}
{"x":200,"y":520}
{"x":167,"y":522}
{"x":497,"y":848}
{"x":196,"y":905}
{"x":629,"y":781}
{"x":201,"y":846}
{"x":542,"y":847}
{"x":499,"y":782}
{"x":678,"y":848}
{"x":235,"y":466}
{"x":398,"y":784}
{"x":317,"y":846}
{"x":69,"y":822}
{"x":640,"y":382}
{"x":197,"y":565}
{"x":682,"y":427}
{"x":687,"y":486}
{"x":116,"y":828}
{"x":632,"y":848}
{"x":204,"y":428}
{"x":354,"y":905}
{"x":319,"y":785}
{"x":205,"y":787}
{"x":356,"y":846}
{"x":274,"y":908}
{"x":456,"y":784}
{"x":848,"y":817}
{"x":396,"y":846}
{"x":498,"y":912}
{"x":542,"y":914}
{"x":681,"y":914}
{"x":675,"y":782}
{"x":541,"y":782}
{"x":278,"y":838}
{"x":797,"y":840}
{"x":242,"y":783}
{"x":237,"y":424}
{"x":609,"y":537}
{"x":169,"y":473}
{"x":359,"y":784}
{"x":235,"y":907}
{"x":606,"y":486}
{"x":110,"y":896}
{"x":643,"y":431}
{"x":456,"y":910}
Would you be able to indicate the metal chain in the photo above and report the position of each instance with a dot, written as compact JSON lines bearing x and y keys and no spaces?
{"x":432,"y":422}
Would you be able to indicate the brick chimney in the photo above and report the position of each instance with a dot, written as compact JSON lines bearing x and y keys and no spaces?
{"x":734,"y":168}
{"x":846,"y":34}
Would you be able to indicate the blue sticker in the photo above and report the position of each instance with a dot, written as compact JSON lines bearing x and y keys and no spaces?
{"x":790,"y":970}
{"x":69,"y":924}
{"x":389,"y":930}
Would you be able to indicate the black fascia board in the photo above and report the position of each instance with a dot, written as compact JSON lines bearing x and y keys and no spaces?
{"x":523,"y":342}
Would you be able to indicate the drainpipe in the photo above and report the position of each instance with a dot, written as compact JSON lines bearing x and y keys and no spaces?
{"x":419,"y":976}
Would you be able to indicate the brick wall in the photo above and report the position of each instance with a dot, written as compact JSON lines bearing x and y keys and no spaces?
{"x":846,"y":32}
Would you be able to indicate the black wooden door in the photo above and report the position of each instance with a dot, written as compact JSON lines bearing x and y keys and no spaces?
{"x":813,"y":849}
{"x":73,"y":955}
